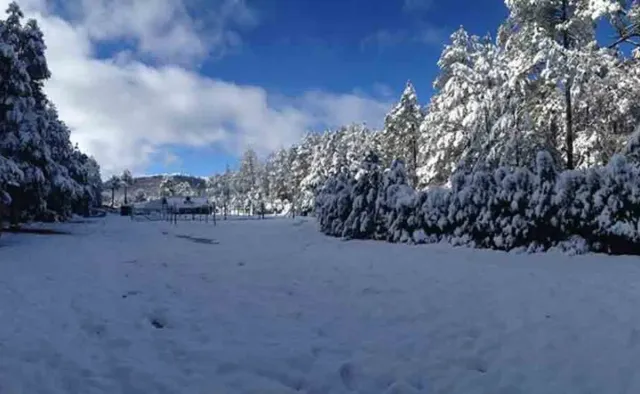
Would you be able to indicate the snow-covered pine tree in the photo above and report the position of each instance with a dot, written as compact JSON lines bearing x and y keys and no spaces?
{"x":248,"y":172}
{"x":281,"y":175}
{"x":400,"y":137}
{"x":316,"y":175}
{"x":460,"y":114}
{"x":16,"y":111}
{"x":300,"y":168}
{"x":227,"y":191}
{"x":114,"y":184}
{"x":549,"y":39}
{"x":607,"y":105}
{"x":10,"y":175}
{"x":94,"y":181}
{"x":167,"y":187}
{"x":126,"y":180}
{"x":184,"y":189}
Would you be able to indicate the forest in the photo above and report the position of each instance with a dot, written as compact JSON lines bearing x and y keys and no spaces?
{"x":528,"y":141}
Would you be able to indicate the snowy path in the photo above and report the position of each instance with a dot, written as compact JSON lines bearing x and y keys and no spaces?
{"x":274,"y":307}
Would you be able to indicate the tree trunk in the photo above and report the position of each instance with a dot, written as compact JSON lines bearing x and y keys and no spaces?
{"x":113,"y":197}
{"x":567,"y":96}
{"x":414,"y":163}
{"x":569,"y":127}
{"x":125,"y":196}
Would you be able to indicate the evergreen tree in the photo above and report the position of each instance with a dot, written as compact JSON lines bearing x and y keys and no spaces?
{"x":126,"y":180}
{"x":401,"y":134}
{"x":167,"y":187}
{"x":550,"y":40}
{"x":184,"y":189}
{"x":114,"y":184}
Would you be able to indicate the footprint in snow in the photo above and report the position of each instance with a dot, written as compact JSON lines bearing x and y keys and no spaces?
{"x":158,"y":320}
{"x":130,"y":293}
{"x":348,"y":375}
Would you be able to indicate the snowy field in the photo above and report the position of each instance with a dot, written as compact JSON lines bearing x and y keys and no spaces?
{"x":275,"y":307}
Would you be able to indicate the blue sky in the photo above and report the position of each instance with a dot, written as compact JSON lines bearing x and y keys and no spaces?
{"x":163,"y":86}
{"x":341,"y":45}
{"x":367,"y":46}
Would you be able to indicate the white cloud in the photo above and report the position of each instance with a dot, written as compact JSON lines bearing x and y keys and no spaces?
{"x":337,"y":110}
{"x":165,"y":29}
{"x":124,"y":112}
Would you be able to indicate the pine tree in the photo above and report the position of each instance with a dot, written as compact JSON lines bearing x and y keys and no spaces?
{"x":226,"y":190}
{"x":167,"y":187}
{"x":550,"y":39}
{"x":400,"y":136}
{"x":461,"y":114}
{"x":184,"y":189}
{"x":126,"y":180}
{"x":114,"y":184}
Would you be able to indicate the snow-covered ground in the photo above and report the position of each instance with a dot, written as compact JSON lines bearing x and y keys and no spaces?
{"x":275,"y":307}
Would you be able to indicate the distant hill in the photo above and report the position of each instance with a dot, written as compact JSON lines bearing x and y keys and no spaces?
{"x":151,"y":186}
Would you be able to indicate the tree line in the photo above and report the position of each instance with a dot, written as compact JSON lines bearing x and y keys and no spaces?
{"x":528,"y":143}
{"x":544,"y":83}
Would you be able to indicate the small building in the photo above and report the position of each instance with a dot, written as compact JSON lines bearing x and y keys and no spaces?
{"x":175,"y":204}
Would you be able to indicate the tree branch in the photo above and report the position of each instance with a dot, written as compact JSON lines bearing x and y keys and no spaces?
{"x":625,"y":38}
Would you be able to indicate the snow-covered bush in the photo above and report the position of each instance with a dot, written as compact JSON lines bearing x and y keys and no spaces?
{"x":595,"y":209}
{"x":573,"y":201}
{"x":395,"y":205}
{"x":434,"y":207}
{"x":140,"y":196}
{"x":478,"y":198}
{"x":333,"y":204}
{"x":512,"y":221}
{"x":617,"y":203}
{"x":542,"y":209}
{"x":361,"y":222}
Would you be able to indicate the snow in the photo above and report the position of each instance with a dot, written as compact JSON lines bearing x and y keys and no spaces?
{"x":273,"y":306}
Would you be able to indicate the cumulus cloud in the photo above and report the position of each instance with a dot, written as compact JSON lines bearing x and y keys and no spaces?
{"x":165,"y":29}
{"x":124,"y":111}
